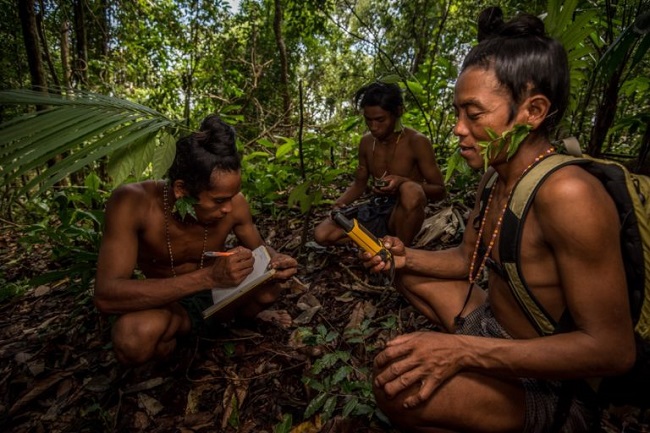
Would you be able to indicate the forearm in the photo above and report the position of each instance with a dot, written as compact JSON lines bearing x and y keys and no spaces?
{"x":121,"y":295}
{"x":451,"y":263}
{"x":562,"y":356}
{"x":434,"y":192}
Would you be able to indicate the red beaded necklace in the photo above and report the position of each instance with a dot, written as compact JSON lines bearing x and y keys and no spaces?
{"x":473,"y":275}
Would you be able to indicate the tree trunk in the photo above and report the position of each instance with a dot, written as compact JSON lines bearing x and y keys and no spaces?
{"x":46,"y":49}
{"x":605,"y":114}
{"x":65,"y":54}
{"x":103,"y":28}
{"x":284,"y":64}
{"x":30,"y":35}
{"x":645,"y":149}
{"x":80,"y":72}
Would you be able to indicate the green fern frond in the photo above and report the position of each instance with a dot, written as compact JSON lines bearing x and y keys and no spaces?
{"x":79,"y":128}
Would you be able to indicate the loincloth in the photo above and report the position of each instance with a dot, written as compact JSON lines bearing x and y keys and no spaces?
{"x":375,"y":214}
{"x":541,"y":395}
{"x":194,"y":305}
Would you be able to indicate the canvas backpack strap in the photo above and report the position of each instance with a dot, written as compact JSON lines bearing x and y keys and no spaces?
{"x":572,"y":146}
{"x":483,"y":196}
{"x":510,"y":240}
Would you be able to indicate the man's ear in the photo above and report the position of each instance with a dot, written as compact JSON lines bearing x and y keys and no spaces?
{"x":536,"y":110}
{"x":178,"y":187}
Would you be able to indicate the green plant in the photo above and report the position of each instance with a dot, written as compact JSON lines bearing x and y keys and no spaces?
{"x":82,"y":128}
{"x":275,"y":168}
{"x":9,"y":290}
{"x":284,"y":426}
{"x":509,"y":140}
{"x":70,"y":229}
{"x":338,"y":383}
{"x":185,"y":206}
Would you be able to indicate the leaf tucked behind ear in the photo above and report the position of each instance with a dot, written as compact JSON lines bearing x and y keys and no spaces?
{"x":511,"y":138}
{"x":185,"y":205}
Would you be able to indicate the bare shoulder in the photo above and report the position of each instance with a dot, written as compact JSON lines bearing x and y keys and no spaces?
{"x":572,"y":184}
{"x":416,"y":136}
{"x":241,"y":210}
{"x":365,"y":144}
{"x":417,"y":141}
{"x":133,"y":200}
{"x":573,"y":197}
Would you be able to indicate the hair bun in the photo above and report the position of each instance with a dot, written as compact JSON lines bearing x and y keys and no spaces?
{"x":216,"y":130}
{"x":212,"y":123}
{"x":490,"y":22}
{"x":524,"y":25}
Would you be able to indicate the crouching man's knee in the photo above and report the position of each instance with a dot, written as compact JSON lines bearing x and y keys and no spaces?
{"x":412,"y":196}
{"x":136,"y":340}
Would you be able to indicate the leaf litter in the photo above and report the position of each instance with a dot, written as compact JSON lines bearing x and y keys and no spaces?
{"x":58,"y":373}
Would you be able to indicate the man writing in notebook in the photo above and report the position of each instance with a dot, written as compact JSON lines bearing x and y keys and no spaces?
{"x":402,"y":163}
{"x":164,"y":229}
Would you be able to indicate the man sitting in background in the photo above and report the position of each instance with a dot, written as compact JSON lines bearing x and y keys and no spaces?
{"x":402,"y":163}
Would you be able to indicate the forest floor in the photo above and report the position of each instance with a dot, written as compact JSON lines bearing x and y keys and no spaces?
{"x":58,"y":372}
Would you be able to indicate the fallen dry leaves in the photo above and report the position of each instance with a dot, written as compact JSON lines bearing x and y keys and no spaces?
{"x":58,"y":374}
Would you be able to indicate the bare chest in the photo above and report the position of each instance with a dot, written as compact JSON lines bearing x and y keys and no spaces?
{"x":537,"y":266}
{"x":176,"y":248}
{"x":400,"y":161}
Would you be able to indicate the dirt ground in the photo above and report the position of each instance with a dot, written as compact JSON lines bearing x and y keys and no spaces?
{"x":58,"y":372}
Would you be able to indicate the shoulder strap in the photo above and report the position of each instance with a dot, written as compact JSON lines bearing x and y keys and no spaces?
{"x":510,"y":239}
{"x":572,"y":146}
{"x":483,"y":195}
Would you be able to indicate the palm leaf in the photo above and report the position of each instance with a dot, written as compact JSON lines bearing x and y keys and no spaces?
{"x":80,"y":128}
{"x":637,"y":33}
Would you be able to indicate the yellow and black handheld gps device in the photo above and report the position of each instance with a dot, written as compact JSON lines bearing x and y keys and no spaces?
{"x":361,"y":236}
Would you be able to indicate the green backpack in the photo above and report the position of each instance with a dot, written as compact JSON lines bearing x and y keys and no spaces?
{"x":630,"y":193}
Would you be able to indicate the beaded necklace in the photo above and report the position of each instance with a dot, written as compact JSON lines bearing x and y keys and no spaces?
{"x":388,"y":160}
{"x":168,"y":239}
{"x":472,"y":274}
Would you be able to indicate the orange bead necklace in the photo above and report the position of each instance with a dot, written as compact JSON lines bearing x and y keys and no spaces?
{"x":473,"y":275}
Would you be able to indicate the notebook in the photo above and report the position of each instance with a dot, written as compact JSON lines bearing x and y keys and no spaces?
{"x":224,"y":296}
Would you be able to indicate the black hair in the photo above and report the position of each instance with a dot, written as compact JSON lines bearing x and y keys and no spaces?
{"x":388,"y":96}
{"x":524,"y":59}
{"x":199,"y":154}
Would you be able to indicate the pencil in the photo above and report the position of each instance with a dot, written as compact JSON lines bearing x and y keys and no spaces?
{"x":218,"y":253}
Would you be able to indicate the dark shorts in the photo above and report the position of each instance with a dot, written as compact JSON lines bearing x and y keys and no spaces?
{"x":541,"y":395}
{"x":375,"y":215}
{"x":194,"y":305}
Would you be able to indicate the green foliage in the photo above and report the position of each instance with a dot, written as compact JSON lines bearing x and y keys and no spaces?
{"x":508,"y":140}
{"x":82,"y":128}
{"x":70,"y":230}
{"x":285,"y":425}
{"x":573,"y":27}
{"x":185,"y":206}
{"x":455,"y":163}
{"x":339,"y":386}
{"x":275,"y":170}
{"x":10,"y":289}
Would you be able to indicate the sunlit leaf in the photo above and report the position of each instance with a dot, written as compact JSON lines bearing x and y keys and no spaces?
{"x":82,"y":127}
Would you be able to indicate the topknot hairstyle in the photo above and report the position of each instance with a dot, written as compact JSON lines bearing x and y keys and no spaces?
{"x":388,"y":96}
{"x":199,"y":154}
{"x":524,"y":59}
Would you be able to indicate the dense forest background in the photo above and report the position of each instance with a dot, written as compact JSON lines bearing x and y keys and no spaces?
{"x":94,"y":93}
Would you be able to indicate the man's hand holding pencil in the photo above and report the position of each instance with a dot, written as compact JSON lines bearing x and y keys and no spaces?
{"x":231,"y":267}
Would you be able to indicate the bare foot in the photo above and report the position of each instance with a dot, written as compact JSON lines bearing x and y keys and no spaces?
{"x":279,"y":317}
